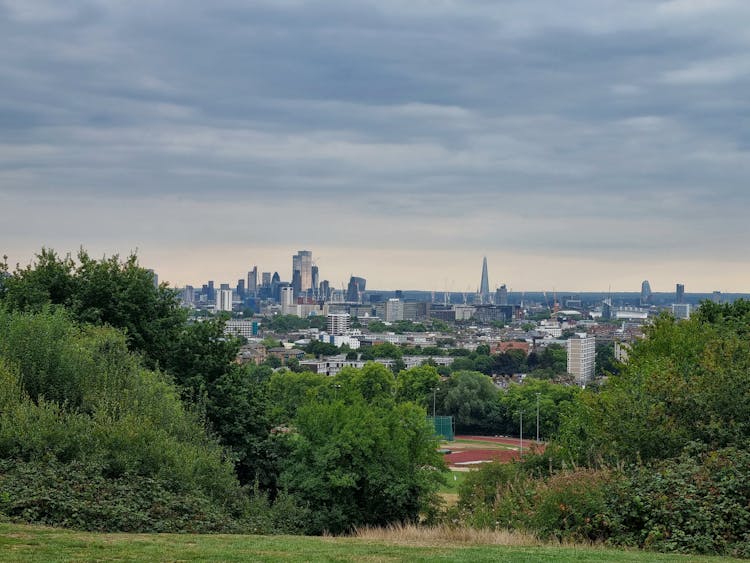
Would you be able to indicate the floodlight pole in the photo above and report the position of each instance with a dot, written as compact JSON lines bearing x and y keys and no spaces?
{"x":537,"y":417}
{"x":434,"y":397}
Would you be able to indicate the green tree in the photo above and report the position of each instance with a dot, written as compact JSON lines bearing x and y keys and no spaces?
{"x":687,"y":381}
{"x":374,"y":382}
{"x":102,"y":292}
{"x":360,"y":464}
{"x":417,"y":384}
{"x":473,"y":400}
{"x":606,"y":363}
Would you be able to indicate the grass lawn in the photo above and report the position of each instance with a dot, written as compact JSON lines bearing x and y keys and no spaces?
{"x":453,"y":481}
{"x":483,"y":444}
{"x":28,"y":543}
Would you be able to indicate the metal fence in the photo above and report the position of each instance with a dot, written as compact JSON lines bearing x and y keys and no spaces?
{"x":444,"y":426}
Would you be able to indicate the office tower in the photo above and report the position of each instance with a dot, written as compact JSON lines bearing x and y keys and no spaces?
{"x":355,"y":289}
{"x":155,"y":277}
{"x":252,"y":281}
{"x":302,"y":262}
{"x":315,"y":280}
{"x":501,"y":295}
{"x":645,"y":293}
{"x":297,"y":282}
{"x":679,"y":294}
{"x":286,"y":298}
{"x":224,"y":286}
{"x":394,"y":310}
{"x":484,"y":286}
{"x":241,"y":288}
{"x":607,"y":310}
{"x":681,"y":310}
{"x":581,"y":356}
{"x":224,"y":299}
{"x":338,"y":323}
{"x":188,"y":295}
{"x":325,"y":290}
{"x":211,"y":291}
{"x":716,"y":297}
{"x":266,"y":277}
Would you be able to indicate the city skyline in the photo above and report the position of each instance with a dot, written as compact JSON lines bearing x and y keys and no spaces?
{"x":578,"y":147}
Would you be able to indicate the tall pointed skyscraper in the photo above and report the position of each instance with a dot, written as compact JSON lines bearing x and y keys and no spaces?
{"x":484,"y":287}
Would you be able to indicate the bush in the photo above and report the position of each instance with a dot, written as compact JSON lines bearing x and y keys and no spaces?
{"x":697,"y":503}
{"x":570,"y":504}
{"x":78,"y":495}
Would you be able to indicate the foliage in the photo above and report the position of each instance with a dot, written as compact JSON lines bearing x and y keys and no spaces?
{"x":318,"y":348}
{"x":696,"y":503}
{"x":606,"y":364}
{"x":361,"y":464}
{"x":79,"y":495}
{"x":553,"y":400}
{"x":550,"y":362}
{"x":289,"y":323}
{"x":687,"y":381}
{"x":374,"y":383}
{"x":88,"y":399}
{"x":417,"y":384}
{"x":102,"y":292}
{"x":472,"y":399}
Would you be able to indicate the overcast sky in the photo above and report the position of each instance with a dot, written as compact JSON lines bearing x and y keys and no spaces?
{"x":578,"y":145}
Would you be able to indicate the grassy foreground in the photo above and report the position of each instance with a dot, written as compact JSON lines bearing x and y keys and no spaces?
{"x":31,"y":543}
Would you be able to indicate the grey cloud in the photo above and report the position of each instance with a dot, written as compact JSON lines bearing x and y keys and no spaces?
{"x":461,"y":123}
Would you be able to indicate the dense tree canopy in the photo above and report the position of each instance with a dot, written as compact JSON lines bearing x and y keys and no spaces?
{"x":687,"y":381}
{"x":101,"y":292}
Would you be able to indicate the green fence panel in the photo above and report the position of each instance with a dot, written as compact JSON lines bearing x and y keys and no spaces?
{"x":444,"y":426}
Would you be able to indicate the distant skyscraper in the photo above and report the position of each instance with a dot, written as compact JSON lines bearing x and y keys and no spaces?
{"x":716,"y":297}
{"x":252,"y":281}
{"x":325,"y":290}
{"x":484,"y":286}
{"x":315,"y":280}
{"x":302,"y":261}
{"x":501,"y":295}
{"x":211,"y":291}
{"x":286,"y":297}
{"x":354,"y":290}
{"x":266,"y":277}
{"x":241,"y":288}
{"x":224,"y":300}
{"x":679,"y":296}
{"x":645,"y":293}
{"x":297,"y":282}
{"x":155,"y":276}
{"x":394,"y":310}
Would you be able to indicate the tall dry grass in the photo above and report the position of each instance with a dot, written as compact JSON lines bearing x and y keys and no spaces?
{"x":411,"y":534}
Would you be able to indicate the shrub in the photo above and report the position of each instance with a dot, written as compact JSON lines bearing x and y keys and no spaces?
{"x":697,"y":503}
{"x":78,"y":495}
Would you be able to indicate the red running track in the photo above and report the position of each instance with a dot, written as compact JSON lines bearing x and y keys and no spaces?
{"x":468,"y":455}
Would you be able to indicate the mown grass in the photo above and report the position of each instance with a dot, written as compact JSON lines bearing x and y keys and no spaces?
{"x":30,"y":543}
{"x":453,"y":481}
{"x":486,"y":444}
